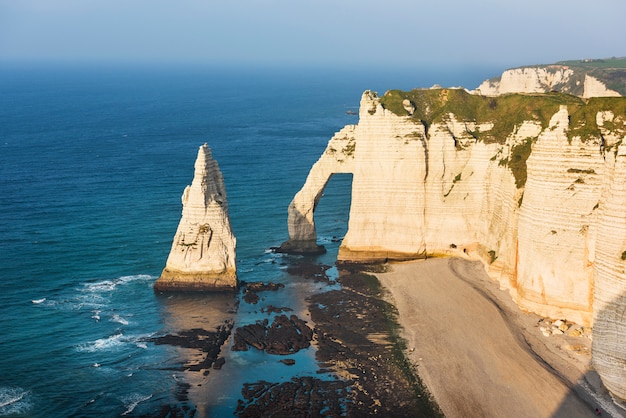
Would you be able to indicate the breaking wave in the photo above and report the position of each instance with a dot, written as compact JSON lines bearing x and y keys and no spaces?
{"x":131,"y":401}
{"x":105,"y":286}
{"x":103,"y":344}
{"x":14,"y":400}
{"x":120,"y":320}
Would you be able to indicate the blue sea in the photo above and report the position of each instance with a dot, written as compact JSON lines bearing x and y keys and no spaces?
{"x":93,"y":162}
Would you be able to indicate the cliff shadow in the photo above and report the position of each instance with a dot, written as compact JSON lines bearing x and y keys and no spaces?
{"x":590,"y":388}
{"x":574,"y":389}
{"x":332,"y":211}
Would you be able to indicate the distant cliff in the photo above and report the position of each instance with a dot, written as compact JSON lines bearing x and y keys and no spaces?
{"x":585,"y":78}
{"x":532,"y":185}
{"x":202,"y":257}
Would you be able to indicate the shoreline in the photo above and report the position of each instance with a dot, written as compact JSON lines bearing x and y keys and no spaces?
{"x":479,"y":354}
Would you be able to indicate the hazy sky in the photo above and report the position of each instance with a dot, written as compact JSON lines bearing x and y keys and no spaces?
{"x":400,"y":33}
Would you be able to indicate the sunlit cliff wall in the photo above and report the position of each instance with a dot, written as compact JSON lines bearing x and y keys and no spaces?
{"x":529,"y":184}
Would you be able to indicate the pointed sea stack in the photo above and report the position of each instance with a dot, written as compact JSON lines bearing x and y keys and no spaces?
{"x":202,"y":257}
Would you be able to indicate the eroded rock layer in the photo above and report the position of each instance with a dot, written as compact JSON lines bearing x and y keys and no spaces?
{"x":529,"y":184}
{"x":202,"y":257}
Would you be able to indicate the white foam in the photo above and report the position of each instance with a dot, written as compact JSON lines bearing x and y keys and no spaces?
{"x":104,"y":286}
{"x":103,"y":344}
{"x":131,"y":401}
{"x":119,"y":319}
{"x":111,"y":285}
{"x":14,"y":400}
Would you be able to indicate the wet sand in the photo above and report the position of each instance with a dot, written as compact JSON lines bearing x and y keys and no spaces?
{"x":478,"y":354}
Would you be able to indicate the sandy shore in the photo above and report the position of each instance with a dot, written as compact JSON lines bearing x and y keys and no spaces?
{"x":479,"y":354}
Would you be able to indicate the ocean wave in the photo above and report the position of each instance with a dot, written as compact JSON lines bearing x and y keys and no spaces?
{"x":120,"y":320}
{"x":96,"y":314}
{"x":94,"y":296}
{"x":131,"y":401}
{"x":115,"y":342}
{"x":103,"y":344}
{"x":105,"y":286}
{"x":14,"y":400}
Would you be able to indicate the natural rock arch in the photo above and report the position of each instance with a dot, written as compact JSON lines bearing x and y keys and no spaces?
{"x":338,"y":158}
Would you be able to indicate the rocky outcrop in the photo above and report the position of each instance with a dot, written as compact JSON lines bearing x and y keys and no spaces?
{"x":544,"y":79}
{"x":202,"y":257}
{"x":530,"y":185}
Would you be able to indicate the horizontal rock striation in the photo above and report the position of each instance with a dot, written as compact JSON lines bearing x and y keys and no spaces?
{"x":609,"y":306}
{"x":202,"y":257}
{"x":529,"y":184}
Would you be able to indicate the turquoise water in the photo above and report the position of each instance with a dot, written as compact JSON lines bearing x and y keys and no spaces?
{"x":92,"y":166}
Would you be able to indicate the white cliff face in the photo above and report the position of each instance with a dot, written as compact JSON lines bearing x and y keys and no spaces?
{"x":527,"y":80}
{"x":596,"y":88}
{"x":609,"y":302}
{"x":557,"y":224}
{"x":543,"y":208}
{"x":544,"y":80}
{"x":386,"y":218}
{"x":203,"y":251}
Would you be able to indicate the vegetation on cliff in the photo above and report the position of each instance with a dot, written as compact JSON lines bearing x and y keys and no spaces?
{"x":506,"y":113}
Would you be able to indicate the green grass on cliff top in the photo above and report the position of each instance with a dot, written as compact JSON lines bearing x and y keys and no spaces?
{"x":505,"y":112}
{"x":596,"y":63}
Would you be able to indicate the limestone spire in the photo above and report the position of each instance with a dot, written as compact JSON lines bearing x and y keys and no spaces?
{"x":202,"y":257}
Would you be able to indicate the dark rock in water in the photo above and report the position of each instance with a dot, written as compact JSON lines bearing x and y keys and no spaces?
{"x":173,"y":411}
{"x":305,"y":247}
{"x":209,"y":342}
{"x":274,"y":309}
{"x":250,"y":297}
{"x":356,"y":335}
{"x":250,"y":290}
{"x":301,"y":397}
{"x":284,"y":336}
{"x":182,"y":391}
{"x":288,"y":361}
{"x":260,"y":286}
{"x":218,"y":363}
{"x":308,"y":270}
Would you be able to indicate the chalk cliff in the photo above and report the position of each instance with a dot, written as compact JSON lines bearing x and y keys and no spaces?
{"x":202,"y":257}
{"x":544,"y":79}
{"x":532,"y":185}
{"x":609,"y":306}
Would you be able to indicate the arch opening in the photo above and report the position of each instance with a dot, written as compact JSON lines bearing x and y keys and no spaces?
{"x":325,"y":208}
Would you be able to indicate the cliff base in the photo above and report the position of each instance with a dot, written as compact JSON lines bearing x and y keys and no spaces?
{"x":173,"y":280}
{"x":301,"y":247}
